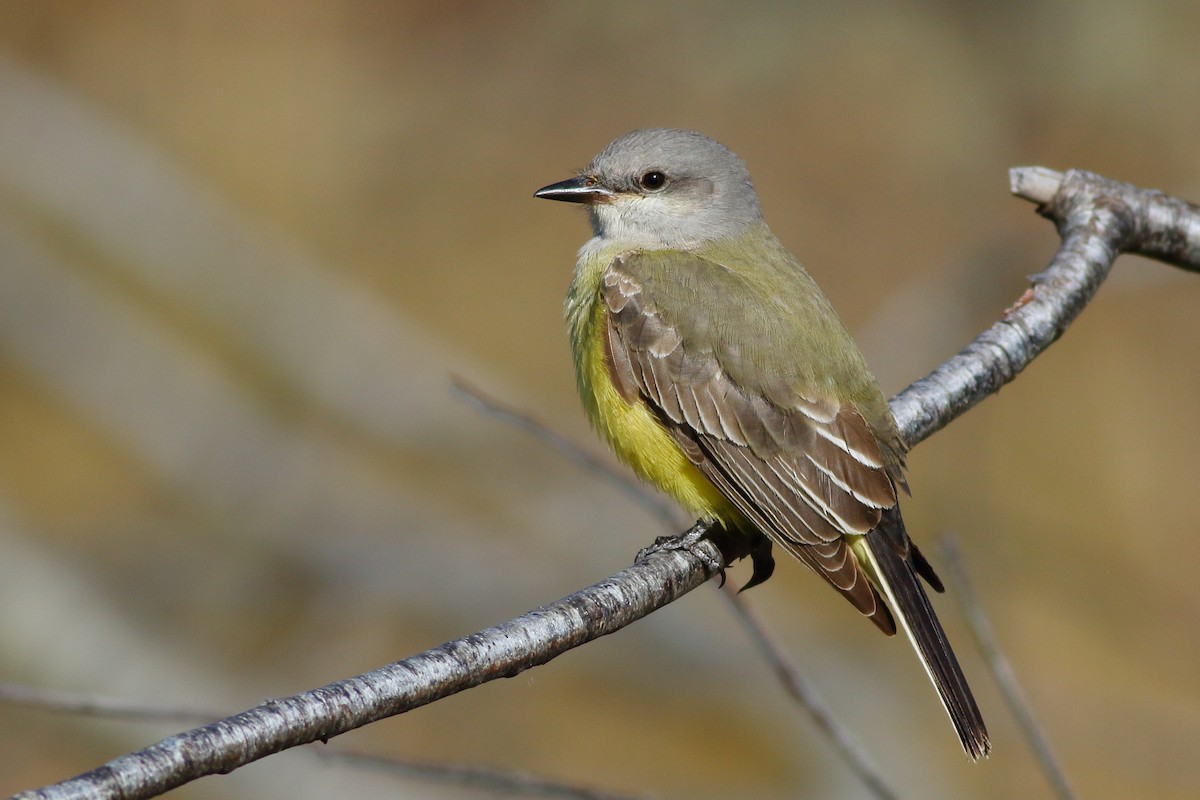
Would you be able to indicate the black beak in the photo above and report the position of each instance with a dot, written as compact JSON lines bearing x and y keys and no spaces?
{"x":576,"y":190}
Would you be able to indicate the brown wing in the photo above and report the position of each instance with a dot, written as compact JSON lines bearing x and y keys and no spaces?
{"x":805,"y":473}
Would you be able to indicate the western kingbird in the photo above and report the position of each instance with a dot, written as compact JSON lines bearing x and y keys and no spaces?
{"x":715,"y":367}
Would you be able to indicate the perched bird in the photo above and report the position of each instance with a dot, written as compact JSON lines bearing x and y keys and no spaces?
{"x":715,"y":367}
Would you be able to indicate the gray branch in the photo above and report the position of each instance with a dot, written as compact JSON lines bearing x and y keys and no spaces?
{"x":1097,"y":219}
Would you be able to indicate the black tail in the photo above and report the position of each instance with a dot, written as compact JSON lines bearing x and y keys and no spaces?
{"x":912,"y":609}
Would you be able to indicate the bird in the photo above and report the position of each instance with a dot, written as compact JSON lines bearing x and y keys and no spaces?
{"x":715,"y":367}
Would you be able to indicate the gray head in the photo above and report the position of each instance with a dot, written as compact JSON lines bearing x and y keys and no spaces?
{"x":663,"y":187}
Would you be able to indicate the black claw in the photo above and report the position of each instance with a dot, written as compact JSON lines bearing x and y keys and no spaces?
{"x":764,"y":563}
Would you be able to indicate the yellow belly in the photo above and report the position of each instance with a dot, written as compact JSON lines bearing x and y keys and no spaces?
{"x":634,"y":433}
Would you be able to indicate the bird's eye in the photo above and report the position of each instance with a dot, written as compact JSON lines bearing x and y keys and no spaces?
{"x":653,"y":180}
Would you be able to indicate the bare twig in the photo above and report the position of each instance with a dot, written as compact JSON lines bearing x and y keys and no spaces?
{"x":651,"y":501}
{"x":803,"y":693}
{"x":489,"y":778}
{"x":1097,"y":219}
{"x":1001,"y":668}
{"x":75,"y":703}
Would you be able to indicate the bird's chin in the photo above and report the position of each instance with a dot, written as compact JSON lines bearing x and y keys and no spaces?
{"x":617,"y":222}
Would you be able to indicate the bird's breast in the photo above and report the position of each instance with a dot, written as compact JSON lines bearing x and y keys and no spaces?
{"x":631,"y":428}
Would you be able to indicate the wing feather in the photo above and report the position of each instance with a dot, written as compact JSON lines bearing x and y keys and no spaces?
{"x":804,"y":468}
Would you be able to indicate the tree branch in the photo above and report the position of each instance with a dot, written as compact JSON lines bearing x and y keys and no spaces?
{"x":503,"y":651}
{"x":1097,"y":219}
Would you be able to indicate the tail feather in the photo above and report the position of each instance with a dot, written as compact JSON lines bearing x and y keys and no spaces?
{"x":897,"y":580}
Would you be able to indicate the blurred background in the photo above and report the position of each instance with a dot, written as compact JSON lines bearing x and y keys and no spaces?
{"x":244,"y":246}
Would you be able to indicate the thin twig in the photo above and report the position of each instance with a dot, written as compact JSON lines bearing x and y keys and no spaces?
{"x":1001,"y":668}
{"x":803,"y":693}
{"x":638,"y":492}
{"x":475,"y":775}
{"x":86,"y":705}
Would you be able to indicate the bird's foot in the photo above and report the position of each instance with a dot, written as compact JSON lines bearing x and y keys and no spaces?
{"x":689,"y":541}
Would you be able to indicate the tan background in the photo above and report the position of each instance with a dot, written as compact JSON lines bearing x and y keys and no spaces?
{"x":243,"y":246}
